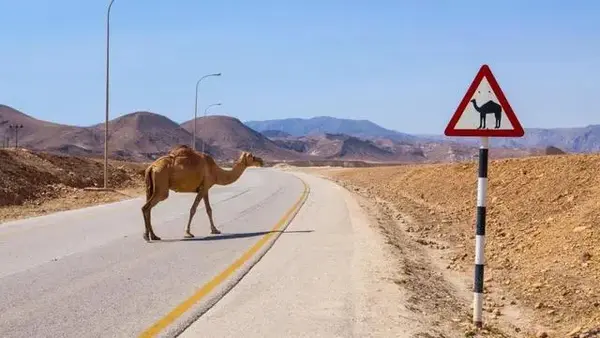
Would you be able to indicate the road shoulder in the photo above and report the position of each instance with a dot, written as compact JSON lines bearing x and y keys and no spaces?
{"x":333,"y":281}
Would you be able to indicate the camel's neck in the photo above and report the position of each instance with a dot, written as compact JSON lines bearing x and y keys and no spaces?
{"x":475,"y":105}
{"x":225,"y":177}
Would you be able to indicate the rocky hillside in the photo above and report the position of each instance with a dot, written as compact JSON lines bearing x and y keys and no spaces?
{"x":345,"y":147}
{"x":275,"y":133}
{"x":542,"y":252}
{"x":28,"y":175}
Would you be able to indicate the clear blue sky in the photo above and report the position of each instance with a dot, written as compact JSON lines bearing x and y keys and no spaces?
{"x":402,"y":64}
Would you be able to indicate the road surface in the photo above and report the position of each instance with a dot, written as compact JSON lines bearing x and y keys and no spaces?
{"x":89,"y":273}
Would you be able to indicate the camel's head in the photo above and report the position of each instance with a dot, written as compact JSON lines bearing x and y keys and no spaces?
{"x":250,"y":160}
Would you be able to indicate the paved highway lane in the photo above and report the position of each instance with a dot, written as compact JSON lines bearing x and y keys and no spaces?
{"x":334,"y":281}
{"x":89,"y":273}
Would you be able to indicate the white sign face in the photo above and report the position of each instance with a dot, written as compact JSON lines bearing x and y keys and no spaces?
{"x":484,"y":111}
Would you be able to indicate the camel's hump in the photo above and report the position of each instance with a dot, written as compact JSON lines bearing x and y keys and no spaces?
{"x":490,"y":103}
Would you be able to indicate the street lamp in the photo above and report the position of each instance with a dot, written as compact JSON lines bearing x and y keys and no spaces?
{"x":106,"y":103}
{"x":196,"y":107}
{"x":205,"y":110}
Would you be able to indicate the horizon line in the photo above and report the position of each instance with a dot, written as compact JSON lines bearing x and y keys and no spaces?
{"x":277,"y":119}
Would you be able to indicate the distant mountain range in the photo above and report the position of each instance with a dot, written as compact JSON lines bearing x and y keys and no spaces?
{"x":574,"y":140}
{"x":145,"y":135}
{"x":330,"y":125}
{"x":581,"y":140}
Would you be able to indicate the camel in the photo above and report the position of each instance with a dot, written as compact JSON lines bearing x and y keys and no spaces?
{"x":186,"y":170}
{"x":489,"y":107}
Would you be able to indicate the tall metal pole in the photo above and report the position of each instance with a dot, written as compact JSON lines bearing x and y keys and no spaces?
{"x":205,"y":110}
{"x":196,"y":107}
{"x":106,"y":103}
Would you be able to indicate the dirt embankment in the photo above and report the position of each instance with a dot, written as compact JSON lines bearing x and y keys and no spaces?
{"x":33,"y":183}
{"x":543,"y":230}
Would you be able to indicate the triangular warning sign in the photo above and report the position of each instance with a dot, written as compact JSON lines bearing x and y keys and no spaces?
{"x":484,"y":111}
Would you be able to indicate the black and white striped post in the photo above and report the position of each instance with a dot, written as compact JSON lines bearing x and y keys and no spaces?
{"x":467,"y":122}
{"x":480,"y":233}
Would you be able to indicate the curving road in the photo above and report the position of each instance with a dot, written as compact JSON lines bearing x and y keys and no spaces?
{"x":89,"y":273}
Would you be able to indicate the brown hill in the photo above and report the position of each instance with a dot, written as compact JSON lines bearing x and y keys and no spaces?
{"x":232,"y":136}
{"x":543,"y":233}
{"x":39,"y":134}
{"x":135,"y":136}
{"x":143,"y":135}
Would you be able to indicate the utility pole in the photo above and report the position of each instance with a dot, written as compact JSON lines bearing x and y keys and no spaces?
{"x":16,"y":127}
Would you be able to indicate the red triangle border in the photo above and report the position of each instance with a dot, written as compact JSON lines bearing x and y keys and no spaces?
{"x":517,"y":130}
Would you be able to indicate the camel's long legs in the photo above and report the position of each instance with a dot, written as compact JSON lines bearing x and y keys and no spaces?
{"x":158,"y":191}
{"x":199,"y":196}
{"x":213,"y":229}
{"x":146,"y":209}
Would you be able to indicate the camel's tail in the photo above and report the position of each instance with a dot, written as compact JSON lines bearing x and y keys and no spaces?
{"x":149,"y":182}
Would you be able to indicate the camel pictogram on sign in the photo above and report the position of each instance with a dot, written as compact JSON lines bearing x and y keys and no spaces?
{"x":489,"y":107}
{"x":484,"y":99}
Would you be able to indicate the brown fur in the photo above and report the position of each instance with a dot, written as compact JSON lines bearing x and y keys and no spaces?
{"x":186,"y":170}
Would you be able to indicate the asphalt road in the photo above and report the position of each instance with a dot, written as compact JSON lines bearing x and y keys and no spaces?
{"x":89,"y":273}
{"x":321,"y":278}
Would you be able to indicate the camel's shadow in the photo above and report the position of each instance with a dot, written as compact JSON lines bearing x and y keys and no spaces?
{"x":233,"y":236}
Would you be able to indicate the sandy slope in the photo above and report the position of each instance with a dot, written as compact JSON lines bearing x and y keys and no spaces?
{"x":542,"y":250}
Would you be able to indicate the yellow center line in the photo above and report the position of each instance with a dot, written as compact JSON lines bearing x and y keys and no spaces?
{"x":209,"y":286}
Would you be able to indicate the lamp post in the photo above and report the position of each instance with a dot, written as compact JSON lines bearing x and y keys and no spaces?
{"x":205,"y":110}
{"x":196,"y":107}
{"x":106,"y":103}
{"x":16,"y":127}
